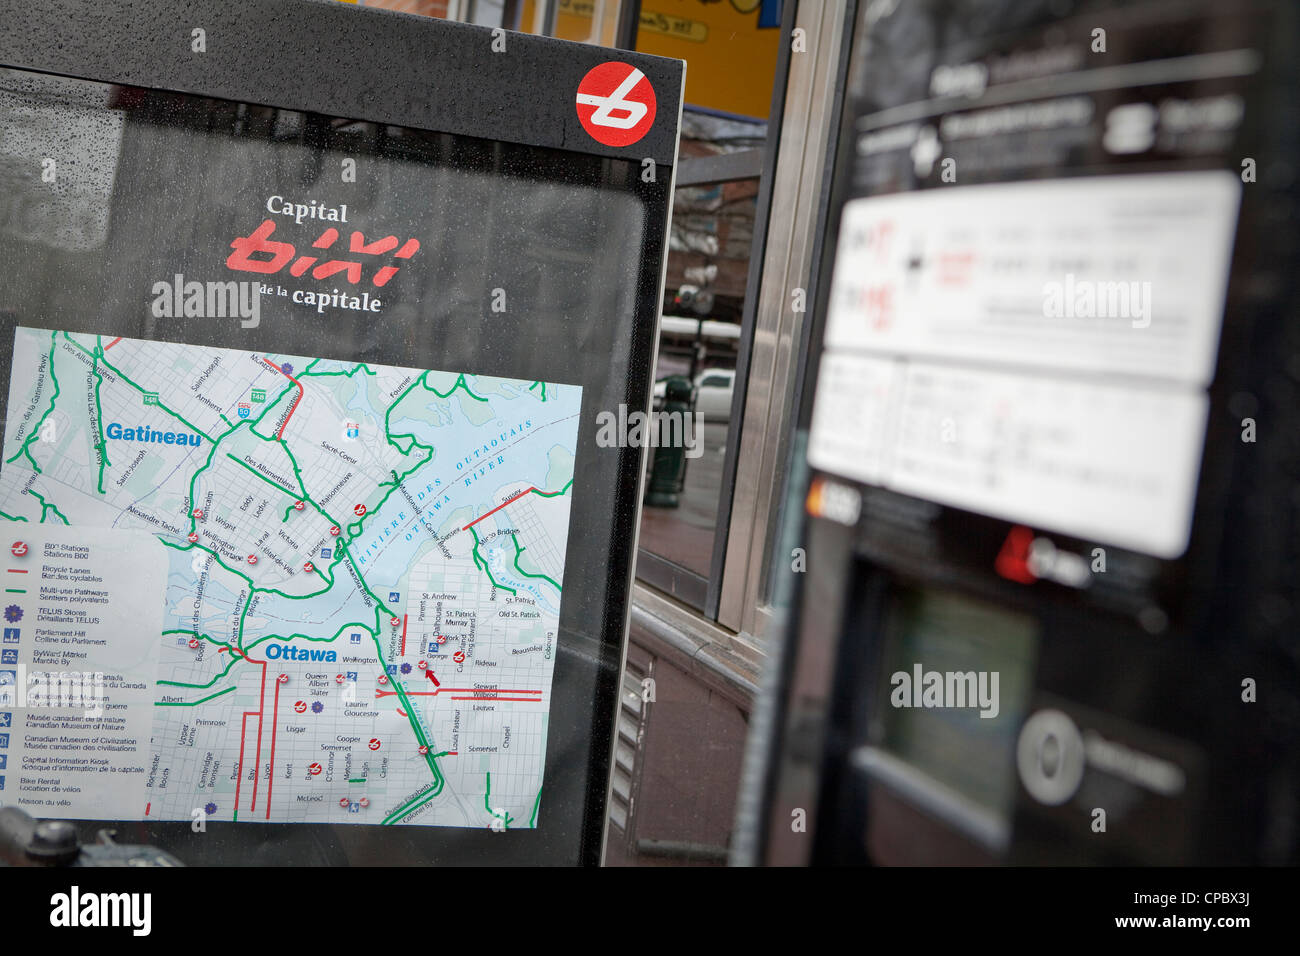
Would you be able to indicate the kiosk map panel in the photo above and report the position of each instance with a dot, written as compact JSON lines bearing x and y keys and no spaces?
{"x":308,"y":521}
{"x":368,"y":561}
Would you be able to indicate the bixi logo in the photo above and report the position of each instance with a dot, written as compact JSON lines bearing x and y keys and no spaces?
{"x":616,"y":104}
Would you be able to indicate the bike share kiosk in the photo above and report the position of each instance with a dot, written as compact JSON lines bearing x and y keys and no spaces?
{"x":308,"y":313}
{"x":1051,"y":518}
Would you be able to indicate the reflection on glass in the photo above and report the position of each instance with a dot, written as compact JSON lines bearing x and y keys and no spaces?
{"x":708,"y":266}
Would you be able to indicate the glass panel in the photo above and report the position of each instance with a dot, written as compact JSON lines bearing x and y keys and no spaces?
{"x":708,"y":266}
{"x":584,"y":21}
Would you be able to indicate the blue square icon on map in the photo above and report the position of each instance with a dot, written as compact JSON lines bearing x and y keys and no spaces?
{"x":8,"y":677}
{"x":354,"y":807}
{"x":326,"y":552}
{"x":4,"y":760}
{"x":4,"y":741}
{"x":394,"y":596}
{"x":6,"y":718}
{"x":392,"y":669}
{"x":2,"y":783}
{"x":9,"y":656}
{"x":352,"y":676}
{"x":356,"y":638}
{"x":12,"y":634}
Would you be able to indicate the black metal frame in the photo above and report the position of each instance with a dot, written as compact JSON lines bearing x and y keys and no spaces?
{"x":1214,"y":590}
{"x":325,"y":58}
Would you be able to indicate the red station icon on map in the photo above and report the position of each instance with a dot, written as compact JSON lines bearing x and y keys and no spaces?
{"x":423,"y":749}
{"x":364,"y":801}
{"x":339,"y":678}
{"x":458,"y":657}
{"x":343,"y":802}
{"x":300,"y":707}
{"x":359,"y":510}
{"x":252,"y":559}
{"x":374,"y":743}
{"x":423,"y":665}
{"x":394,"y":621}
{"x":299,"y":505}
{"x":197,"y":513}
{"x":314,"y":769}
{"x":334,"y":530}
{"x":283,"y":678}
{"x":193,"y":642}
{"x":309,"y":567}
{"x":18,"y":549}
{"x":383,"y":678}
{"x":193,"y":536}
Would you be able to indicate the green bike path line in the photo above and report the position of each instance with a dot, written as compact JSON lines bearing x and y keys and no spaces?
{"x":481,"y":564}
{"x":112,"y":368}
{"x":520,"y":549}
{"x":102,"y":445}
{"x":193,"y":703}
{"x":505,"y":818}
{"x":36,"y":431}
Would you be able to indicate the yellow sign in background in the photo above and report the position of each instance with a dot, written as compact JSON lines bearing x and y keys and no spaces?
{"x":731,"y":61}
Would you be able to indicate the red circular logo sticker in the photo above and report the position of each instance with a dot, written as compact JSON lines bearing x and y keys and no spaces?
{"x":616,"y":104}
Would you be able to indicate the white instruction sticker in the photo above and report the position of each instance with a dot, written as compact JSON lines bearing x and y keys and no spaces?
{"x":1112,"y":275}
{"x":1037,"y":351}
{"x":1109,"y":463}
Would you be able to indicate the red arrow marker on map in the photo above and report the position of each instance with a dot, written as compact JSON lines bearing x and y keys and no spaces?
{"x":429,"y":674}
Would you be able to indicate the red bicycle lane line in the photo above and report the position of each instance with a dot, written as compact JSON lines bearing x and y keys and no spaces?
{"x":509,"y":500}
{"x":243,"y":734}
{"x":465,"y":690}
{"x":270,"y":780}
{"x":261,"y":725}
{"x":294,"y":406}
